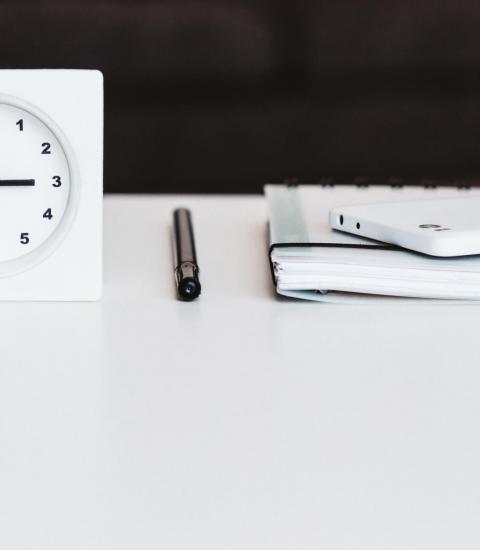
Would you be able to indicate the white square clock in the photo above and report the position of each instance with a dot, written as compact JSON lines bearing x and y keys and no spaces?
{"x":51,"y":184}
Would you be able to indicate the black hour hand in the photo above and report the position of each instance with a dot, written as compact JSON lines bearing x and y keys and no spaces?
{"x":17,"y":183}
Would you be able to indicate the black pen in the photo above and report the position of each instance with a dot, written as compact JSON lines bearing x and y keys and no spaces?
{"x":186,"y":267}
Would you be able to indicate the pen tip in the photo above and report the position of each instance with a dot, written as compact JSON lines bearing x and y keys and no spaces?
{"x":189,"y":289}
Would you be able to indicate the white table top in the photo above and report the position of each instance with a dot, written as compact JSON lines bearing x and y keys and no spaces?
{"x":240,"y":421}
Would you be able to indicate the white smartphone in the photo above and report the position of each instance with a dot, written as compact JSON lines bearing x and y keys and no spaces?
{"x":438,"y":227}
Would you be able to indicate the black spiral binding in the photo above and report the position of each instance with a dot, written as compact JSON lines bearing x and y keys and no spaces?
{"x":363,"y":182}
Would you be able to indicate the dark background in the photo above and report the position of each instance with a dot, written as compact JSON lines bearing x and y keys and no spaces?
{"x":225,"y":96}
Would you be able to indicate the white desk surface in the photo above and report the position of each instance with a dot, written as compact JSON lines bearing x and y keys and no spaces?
{"x":237,"y":422}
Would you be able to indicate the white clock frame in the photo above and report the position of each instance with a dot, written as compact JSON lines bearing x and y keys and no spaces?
{"x":68,"y":265}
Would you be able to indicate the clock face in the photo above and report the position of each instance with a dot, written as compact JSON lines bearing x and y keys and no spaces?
{"x":35,"y":183}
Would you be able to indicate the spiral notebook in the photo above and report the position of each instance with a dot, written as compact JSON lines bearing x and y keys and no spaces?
{"x":313,"y":262}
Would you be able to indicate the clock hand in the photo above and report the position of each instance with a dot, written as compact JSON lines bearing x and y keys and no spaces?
{"x":17,"y":183}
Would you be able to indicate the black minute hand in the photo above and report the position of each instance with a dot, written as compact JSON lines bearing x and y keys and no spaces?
{"x":17,"y":183}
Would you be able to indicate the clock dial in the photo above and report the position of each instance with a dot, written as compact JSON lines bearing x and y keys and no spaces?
{"x":34,"y":182}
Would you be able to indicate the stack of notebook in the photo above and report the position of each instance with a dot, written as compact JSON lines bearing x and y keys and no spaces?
{"x":311,"y":261}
